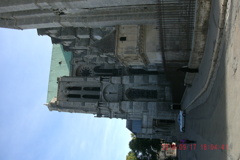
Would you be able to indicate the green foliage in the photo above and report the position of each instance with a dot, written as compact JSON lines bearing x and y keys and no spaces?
{"x":131,"y":156}
{"x":143,"y":148}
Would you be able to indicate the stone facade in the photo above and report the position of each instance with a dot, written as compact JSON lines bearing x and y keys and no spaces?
{"x":105,"y":82}
{"x":116,"y":60}
{"x":143,"y":100}
{"x":26,"y":14}
{"x":129,"y":45}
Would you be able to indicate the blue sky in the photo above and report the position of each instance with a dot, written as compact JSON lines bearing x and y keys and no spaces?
{"x":28,"y":130}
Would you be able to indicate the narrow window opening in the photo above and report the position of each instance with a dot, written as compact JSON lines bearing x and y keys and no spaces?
{"x":59,"y":11}
{"x":74,"y":96}
{"x":91,"y":96}
{"x":141,"y":93}
{"x":123,"y":38}
{"x":91,"y":88}
{"x":74,"y":88}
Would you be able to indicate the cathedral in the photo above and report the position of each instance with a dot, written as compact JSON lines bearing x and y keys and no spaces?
{"x":109,"y":57}
{"x":112,"y":72}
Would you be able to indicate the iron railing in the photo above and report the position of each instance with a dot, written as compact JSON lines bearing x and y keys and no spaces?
{"x":176,"y":23}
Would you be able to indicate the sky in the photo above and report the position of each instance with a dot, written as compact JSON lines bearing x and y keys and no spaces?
{"x":28,"y":130}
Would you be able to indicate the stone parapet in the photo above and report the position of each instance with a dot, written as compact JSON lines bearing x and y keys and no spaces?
{"x":199,"y":37}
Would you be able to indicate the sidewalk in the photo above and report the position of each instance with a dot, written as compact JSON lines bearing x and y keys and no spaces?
{"x":203,"y":81}
{"x":216,"y":87}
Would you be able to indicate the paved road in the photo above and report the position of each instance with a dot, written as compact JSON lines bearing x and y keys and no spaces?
{"x":213,"y":119}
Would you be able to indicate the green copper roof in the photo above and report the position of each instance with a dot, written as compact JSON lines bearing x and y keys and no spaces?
{"x":60,"y":66}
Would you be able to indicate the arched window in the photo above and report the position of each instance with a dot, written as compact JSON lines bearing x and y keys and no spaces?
{"x":163,"y":122}
{"x":103,"y":71}
{"x":74,"y":96}
{"x":142,"y":71}
{"x":74,"y":88}
{"x":91,"y":96}
{"x":141,"y":94}
{"x":91,"y":88}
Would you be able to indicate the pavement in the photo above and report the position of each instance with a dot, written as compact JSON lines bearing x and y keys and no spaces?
{"x":212,"y":102}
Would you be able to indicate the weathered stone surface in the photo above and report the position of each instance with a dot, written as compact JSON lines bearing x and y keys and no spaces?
{"x":83,"y":32}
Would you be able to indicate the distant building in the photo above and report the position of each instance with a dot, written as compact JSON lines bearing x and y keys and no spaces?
{"x":109,"y":56}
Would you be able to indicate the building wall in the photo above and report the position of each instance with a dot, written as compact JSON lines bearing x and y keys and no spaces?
{"x":108,"y":97}
{"x":97,"y":49}
{"x":138,"y":45}
{"x":103,"y":84}
{"x":131,"y":86}
{"x":26,"y":14}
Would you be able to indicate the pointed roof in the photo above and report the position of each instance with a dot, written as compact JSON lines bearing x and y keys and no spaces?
{"x":60,"y":66}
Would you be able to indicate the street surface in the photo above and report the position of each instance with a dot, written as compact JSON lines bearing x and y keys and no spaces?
{"x":212,"y":102}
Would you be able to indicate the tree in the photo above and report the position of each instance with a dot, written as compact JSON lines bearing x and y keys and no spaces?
{"x":131,"y":156}
{"x":144,"y":148}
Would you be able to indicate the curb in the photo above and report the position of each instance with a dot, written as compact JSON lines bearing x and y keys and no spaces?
{"x":215,"y":62}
